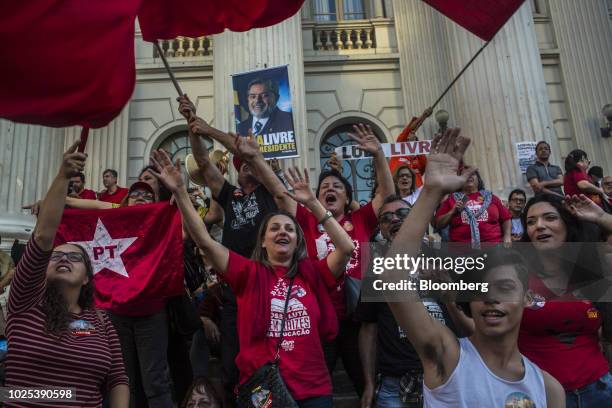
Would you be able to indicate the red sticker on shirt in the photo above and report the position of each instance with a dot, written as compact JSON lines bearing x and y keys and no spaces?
{"x":348,"y":226}
{"x":592,"y":313}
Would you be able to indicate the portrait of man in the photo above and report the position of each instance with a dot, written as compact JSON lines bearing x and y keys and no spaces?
{"x":265,"y":116}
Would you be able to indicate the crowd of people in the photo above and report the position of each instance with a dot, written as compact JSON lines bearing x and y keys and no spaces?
{"x":274,"y":272}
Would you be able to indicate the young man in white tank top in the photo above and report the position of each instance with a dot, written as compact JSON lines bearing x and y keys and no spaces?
{"x":486,"y":369}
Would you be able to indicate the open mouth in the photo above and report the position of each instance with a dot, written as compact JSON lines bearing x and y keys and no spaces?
{"x":493,"y":316}
{"x":282,"y":241}
{"x":543,"y":237}
{"x":330,"y":198}
{"x":395,"y":227}
{"x":63,"y":268}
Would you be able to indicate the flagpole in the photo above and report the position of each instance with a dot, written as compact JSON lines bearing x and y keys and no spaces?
{"x":170,"y":73}
{"x":460,"y":74}
{"x":84,"y":136}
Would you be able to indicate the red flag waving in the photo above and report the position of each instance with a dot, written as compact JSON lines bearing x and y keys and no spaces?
{"x":71,"y":62}
{"x":481,"y":17}
{"x":136,"y":254}
{"x":166,"y":19}
{"x":66,"y":62}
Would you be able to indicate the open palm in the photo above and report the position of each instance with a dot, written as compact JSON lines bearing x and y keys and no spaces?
{"x":583,"y":208}
{"x":446,"y":154}
{"x":167,"y":172}
{"x":365,"y":138}
{"x":300,"y":185}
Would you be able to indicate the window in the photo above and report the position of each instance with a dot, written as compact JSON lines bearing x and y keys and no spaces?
{"x":177,"y":145}
{"x":360,"y":173}
{"x":332,"y":10}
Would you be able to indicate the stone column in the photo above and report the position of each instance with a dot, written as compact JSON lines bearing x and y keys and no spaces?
{"x":107,"y":148}
{"x":29,"y":160}
{"x":378,"y":10}
{"x":502,"y":99}
{"x":257,"y":49}
{"x":584,"y":34}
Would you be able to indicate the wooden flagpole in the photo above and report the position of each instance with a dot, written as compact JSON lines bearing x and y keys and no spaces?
{"x":170,"y":73}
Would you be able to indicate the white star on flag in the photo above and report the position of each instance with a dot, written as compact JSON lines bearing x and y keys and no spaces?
{"x":105,"y":252}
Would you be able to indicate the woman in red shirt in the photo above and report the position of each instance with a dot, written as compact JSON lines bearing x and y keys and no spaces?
{"x":562,"y":337}
{"x":56,"y":339}
{"x":576,"y":180}
{"x":279,"y":269}
{"x":475,"y":215}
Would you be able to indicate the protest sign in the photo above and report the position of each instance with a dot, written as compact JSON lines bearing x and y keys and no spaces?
{"x":415,"y":148}
{"x":262,"y":104}
{"x":525,"y":152}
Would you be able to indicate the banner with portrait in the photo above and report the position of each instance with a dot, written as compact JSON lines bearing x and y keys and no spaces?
{"x":262,"y":106}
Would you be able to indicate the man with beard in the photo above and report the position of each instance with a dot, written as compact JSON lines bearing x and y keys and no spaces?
{"x":384,"y":348}
{"x":76,"y":188}
{"x":542,"y":176}
{"x":112,"y":192}
{"x":264,"y":116}
{"x":244,"y":207}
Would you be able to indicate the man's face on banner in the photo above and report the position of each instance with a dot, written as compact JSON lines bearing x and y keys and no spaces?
{"x":261,"y":101}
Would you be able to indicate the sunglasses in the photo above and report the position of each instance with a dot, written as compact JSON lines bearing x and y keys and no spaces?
{"x":140,"y":193}
{"x":387,"y":216}
{"x":71,"y":256}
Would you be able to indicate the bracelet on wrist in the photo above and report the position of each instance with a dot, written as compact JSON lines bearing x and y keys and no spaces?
{"x":326,"y":217}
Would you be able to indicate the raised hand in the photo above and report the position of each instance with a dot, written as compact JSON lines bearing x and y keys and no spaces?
{"x":446,"y":153}
{"x":274,"y":165}
{"x":186,"y":107}
{"x":199,"y":126}
{"x":167,"y":172}
{"x":302,"y":192}
{"x":334,"y":162}
{"x":365,"y":138}
{"x":247,"y":147}
{"x":73,"y":161}
{"x":583,"y":208}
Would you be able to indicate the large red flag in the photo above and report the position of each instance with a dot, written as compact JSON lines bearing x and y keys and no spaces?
{"x":136,"y":253}
{"x":481,"y":17}
{"x":71,"y":62}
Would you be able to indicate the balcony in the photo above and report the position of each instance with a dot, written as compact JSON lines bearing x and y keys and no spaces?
{"x":186,"y":47}
{"x":349,"y":37}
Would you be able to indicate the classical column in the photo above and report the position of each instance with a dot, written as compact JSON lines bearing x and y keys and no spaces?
{"x":502,"y":99}
{"x":107,"y":148}
{"x":29,"y":160}
{"x":257,"y":49}
{"x":584,"y":34}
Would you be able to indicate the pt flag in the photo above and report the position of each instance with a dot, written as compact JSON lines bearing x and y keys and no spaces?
{"x":136,"y":254}
{"x":481,"y":17}
{"x":72,"y":62}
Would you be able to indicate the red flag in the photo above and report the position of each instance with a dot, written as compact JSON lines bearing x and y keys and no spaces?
{"x":481,"y":17}
{"x":71,"y":62}
{"x":66,"y":62}
{"x":136,"y":253}
{"x":166,"y":19}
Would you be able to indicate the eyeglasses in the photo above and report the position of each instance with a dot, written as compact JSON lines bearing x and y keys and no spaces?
{"x":387,"y":216}
{"x":71,"y":256}
{"x":141,"y":193}
{"x":518,"y":200}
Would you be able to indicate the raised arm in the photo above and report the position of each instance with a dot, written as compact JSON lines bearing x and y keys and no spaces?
{"x":248,"y":149}
{"x":84,"y":204}
{"x":52,"y":207}
{"x":336,"y":260}
{"x":170,"y":175}
{"x":436,"y":345}
{"x":367,"y":141}
{"x":585,"y":209}
{"x":197,"y":128}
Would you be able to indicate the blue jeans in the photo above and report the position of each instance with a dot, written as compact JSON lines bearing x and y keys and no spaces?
{"x":388,"y":394}
{"x":325,"y":401}
{"x":598,"y":394}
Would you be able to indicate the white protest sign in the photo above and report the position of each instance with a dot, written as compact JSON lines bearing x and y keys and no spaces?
{"x":415,"y":148}
{"x":525,"y":152}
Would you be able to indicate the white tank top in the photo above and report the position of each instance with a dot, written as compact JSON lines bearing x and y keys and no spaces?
{"x":472,"y":384}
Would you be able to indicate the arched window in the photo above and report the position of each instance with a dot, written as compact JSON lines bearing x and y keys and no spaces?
{"x":360,"y":173}
{"x":177,"y":145}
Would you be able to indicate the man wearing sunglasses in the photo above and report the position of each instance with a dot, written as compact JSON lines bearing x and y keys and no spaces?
{"x":392,"y":369}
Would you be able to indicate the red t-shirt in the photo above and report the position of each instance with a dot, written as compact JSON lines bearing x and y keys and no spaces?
{"x":489,"y":223}
{"x":87,"y":194}
{"x":359,"y":225}
{"x":302,"y":364}
{"x":561,"y":337}
{"x":115,"y":198}
{"x":571,"y":179}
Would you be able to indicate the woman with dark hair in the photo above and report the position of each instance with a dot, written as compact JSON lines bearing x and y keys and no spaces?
{"x":202,"y":394}
{"x":576,"y":180}
{"x":405,"y":184}
{"x":560,"y":332}
{"x":56,"y":338}
{"x":475,"y":214}
{"x":161,"y":192}
{"x":278,"y":274}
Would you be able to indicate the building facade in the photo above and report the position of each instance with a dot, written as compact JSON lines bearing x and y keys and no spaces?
{"x":546,"y":76}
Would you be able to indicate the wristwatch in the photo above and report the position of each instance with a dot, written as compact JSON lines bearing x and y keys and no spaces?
{"x":326,"y":217}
